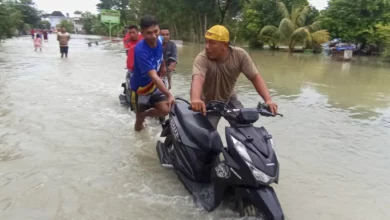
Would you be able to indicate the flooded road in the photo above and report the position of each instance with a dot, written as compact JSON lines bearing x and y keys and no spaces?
{"x":68,"y":149}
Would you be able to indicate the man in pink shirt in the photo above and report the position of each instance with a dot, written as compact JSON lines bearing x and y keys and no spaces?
{"x":132,"y":38}
{"x":130,"y":41}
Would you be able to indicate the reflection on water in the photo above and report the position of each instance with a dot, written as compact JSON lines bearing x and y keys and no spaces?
{"x":68,"y":150}
{"x":363,"y":90}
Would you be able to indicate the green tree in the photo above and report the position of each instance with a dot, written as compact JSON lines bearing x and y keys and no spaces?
{"x":186,"y":19}
{"x":78,"y":12}
{"x":256,"y":15}
{"x":10,"y":21}
{"x":44,"y":24}
{"x":350,"y":20}
{"x":312,"y":16}
{"x":68,"y":25}
{"x":291,"y":4}
{"x":123,"y":6}
{"x":380,"y":36}
{"x":89,"y":21}
{"x":26,"y":28}
{"x":292,"y":29}
{"x":30,"y":14}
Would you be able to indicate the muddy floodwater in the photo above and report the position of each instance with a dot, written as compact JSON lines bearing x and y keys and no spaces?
{"x":68,"y":149}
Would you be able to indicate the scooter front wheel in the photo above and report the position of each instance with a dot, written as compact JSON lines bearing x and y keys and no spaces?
{"x":262,"y":202}
{"x":247,"y":209}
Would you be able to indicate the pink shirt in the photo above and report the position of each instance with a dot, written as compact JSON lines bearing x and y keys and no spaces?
{"x":38,"y":42}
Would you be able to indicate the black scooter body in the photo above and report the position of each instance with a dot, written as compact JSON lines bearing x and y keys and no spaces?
{"x":125,"y":97}
{"x":209,"y":171}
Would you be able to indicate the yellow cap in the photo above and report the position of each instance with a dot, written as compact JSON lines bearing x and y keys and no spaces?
{"x":218,"y":33}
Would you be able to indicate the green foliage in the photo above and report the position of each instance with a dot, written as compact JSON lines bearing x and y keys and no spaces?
{"x":44,"y":24}
{"x":15,"y":15}
{"x":26,"y":28}
{"x":256,"y":15}
{"x":350,"y":20}
{"x":30,"y":15}
{"x":123,"y":6}
{"x":89,"y":21}
{"x":312,"y":16}
{"x":78,"y":12}
{"x":69,"y":26}
{"x":186,"y":19}
{"x":10,"y":21}
{"x":291,"y":4}
{"x":260,"y":13}
{"x":292,"y":29}
{"x":380,"y":35}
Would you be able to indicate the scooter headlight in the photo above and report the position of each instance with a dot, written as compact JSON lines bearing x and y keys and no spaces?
{"x":240,"y":147}
{"x":258,"y":174}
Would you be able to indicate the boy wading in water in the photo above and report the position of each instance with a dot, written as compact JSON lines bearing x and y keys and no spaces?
{"x":63,"y":37}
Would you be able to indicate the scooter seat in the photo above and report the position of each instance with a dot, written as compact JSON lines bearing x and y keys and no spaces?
{"x":198,"y":128}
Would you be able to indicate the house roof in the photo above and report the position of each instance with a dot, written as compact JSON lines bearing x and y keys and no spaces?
{"x":57,"y":13}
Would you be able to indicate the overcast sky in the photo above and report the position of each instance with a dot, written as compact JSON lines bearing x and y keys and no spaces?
{"x":70,"y":6}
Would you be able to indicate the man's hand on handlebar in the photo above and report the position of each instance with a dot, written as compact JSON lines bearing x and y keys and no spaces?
{"x":198,"y":106}
{"x":171,"y":101}
{"x":273,"y":107}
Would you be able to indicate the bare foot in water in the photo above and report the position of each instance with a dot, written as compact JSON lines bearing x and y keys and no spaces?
{"x":140,"y":128}
{"x":140,"y":122}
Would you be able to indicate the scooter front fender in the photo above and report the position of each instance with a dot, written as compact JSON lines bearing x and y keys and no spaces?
{"x":264,"y":199}
{"x":166,"y":129}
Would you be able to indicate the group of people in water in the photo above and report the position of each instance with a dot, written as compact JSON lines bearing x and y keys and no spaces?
{"x":63,"y":38}
{"x":37,"y":35}
{"x":152,"y":57}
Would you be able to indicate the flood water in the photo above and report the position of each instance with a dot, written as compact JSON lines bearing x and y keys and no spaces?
{"x":68,"y":149}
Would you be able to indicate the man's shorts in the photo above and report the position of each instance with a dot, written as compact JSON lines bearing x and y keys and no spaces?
{"x":141,"y":103}
{"x":64,"y":49}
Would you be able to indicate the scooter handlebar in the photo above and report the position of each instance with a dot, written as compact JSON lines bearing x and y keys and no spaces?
{"x":207,"y":110}
{"x":262,"y":109}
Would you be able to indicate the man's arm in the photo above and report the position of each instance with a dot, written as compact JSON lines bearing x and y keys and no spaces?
{"x":196,"y":87}
{"x":261,"y":87}
{"x":251,"y":72}
{"x":163,"y":71}
{"x":172,"y":65}
{"x":159,"y":83}
{"x":199,"y":71}
{"x":146,"y":66}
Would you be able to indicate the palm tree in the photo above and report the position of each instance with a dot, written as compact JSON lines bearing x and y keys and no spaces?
{"x":292,"y":29}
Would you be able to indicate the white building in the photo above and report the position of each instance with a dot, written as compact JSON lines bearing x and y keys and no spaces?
{"x":78,"y":23}
{"x":55,"y":19}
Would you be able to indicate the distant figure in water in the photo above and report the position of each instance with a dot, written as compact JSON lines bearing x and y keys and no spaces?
{"x":32,"y":33}
{"x":45,"y":37}
{"x":63,"y":37}
{"x":38,"y":42}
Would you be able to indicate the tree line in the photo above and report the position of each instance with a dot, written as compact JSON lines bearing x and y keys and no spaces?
{"x":19,"y":16}
{"x":266,"y":22}
{"x":274,"y":23}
